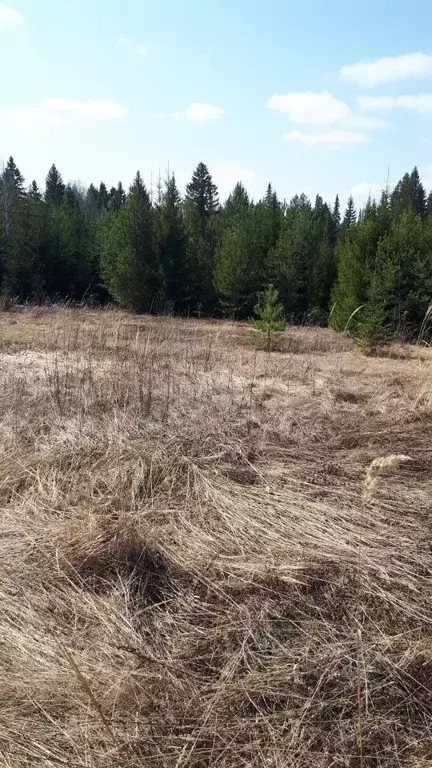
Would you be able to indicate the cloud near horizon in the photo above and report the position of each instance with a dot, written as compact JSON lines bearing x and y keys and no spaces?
{"x":57,"y":112}
{"x":322,"y":110}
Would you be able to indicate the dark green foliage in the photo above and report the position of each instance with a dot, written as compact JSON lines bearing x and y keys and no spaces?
{"x":350,"y":217}
{"x":269,"y":313}
{"x":130,"y":264}
{"x":171,"y":247}
{"x":241,"y":263}
{"x":34,"y":192}
{"x":71,"y":262}
{"x":54,"y":187}
{"x":202,"y":193}
{"x":25,"y":254}
{"x":200,"y":209}
{"x":369,"y":273}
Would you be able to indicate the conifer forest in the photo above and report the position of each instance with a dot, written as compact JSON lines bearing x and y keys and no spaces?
{"x":366,"y":271}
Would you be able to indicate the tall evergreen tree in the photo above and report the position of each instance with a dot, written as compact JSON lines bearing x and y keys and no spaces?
{"x":350,"y":217}
{"x":292,"y":260}
{"x":130,"y":262}
{"x":33,"y":191}
{"x":202,"y":193}
{"x":171,"y":246}
{"x":201,"y":207}
{"x":54,"y":187}
{"x":103,"y":197}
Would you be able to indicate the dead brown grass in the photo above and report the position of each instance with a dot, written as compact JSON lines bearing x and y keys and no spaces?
{"x":209,"y":555}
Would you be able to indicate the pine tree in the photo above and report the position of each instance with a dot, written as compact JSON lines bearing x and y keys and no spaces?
{"x":103,"y":197}
{"x":171,"y":246}
{"x":200,"y":209}
{"x":117,"y":197}
{"x":202,"y":193}
{"x":14,"y":177}
{"x":54,"y":187}
{"x":350,"y":217}
{"x":24,"y":257}
{"x":92,"y":202}
{"x":374,"y":323}
{"x":292,"y":259}
{"x":323,"y":266}
{"x":336,"y":219}
{"x":34,"y":192}
{"x":71,"y":263}
{"x":418,"y":194}
{"x":130,"y":264}
{"x":269,"y":314}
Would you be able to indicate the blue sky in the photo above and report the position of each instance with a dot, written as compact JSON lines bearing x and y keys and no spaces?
{"x":312,"y":96}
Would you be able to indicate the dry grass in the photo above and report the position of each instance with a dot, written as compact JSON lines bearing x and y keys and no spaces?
{"x":209,"y":555}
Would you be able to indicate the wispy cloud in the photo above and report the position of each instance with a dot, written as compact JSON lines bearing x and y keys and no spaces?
{"x":10,"y":17}
{"x":387,"y":70}
{"x":310,"y":108}
{"x":421,"y":103}
{"x":142,"y":50}
{"x":322,"y":110}
{"x":58,"y":112}
{"x":334,"y":138}
{"x":200,"y":113}
{"x":123,"y":40}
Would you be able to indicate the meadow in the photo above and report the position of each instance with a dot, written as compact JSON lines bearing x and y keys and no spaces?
{"x":211,"y":554}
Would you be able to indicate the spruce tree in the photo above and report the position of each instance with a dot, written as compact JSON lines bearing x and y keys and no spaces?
{"x":130,"y":263}
{"x":350,"y":217}
{"x":202,"y":193}
{"x":171,"y":246}
{"x":291,"y":261}
{"x":269,"y":314}
{"x":34,"y":192}
{"x":54,"y":187}
{"x":200,"y":209}
{"x":103,"y":197}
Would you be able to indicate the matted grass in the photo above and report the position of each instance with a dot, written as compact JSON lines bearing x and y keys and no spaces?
{"x":211,"y":555}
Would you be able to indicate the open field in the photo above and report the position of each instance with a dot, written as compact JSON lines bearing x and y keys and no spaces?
{"x":198,"y":565}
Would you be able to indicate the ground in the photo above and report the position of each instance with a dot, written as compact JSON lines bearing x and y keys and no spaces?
{"x":211,"y":555}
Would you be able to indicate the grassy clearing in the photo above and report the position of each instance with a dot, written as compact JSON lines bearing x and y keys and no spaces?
{"x":199,"y":563}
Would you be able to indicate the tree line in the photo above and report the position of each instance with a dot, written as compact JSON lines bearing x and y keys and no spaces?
{"x":367,"y":271}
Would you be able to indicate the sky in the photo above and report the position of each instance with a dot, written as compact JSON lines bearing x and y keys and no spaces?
{"x":311,"y":96}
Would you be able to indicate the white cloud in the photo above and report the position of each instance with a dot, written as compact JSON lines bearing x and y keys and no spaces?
{"x":199,"y":113}
{"x":363,"y":190}
{"x":309,"y":108}
{"x":142,"y":50}
{"x":335,"y":138}
{"x":387,"y":70}
{"x":96,"y":110}
{"x":33,"y":121}
{"x":123,"y":40}
{"x":9,"y":17}
{"x":421,"y":102}
{"x":54,"y":114}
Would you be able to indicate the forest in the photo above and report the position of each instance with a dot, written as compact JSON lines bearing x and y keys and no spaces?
{"x":368,"y":272}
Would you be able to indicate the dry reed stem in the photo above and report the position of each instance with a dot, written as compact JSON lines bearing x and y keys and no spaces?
{"x":201,"y":526}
